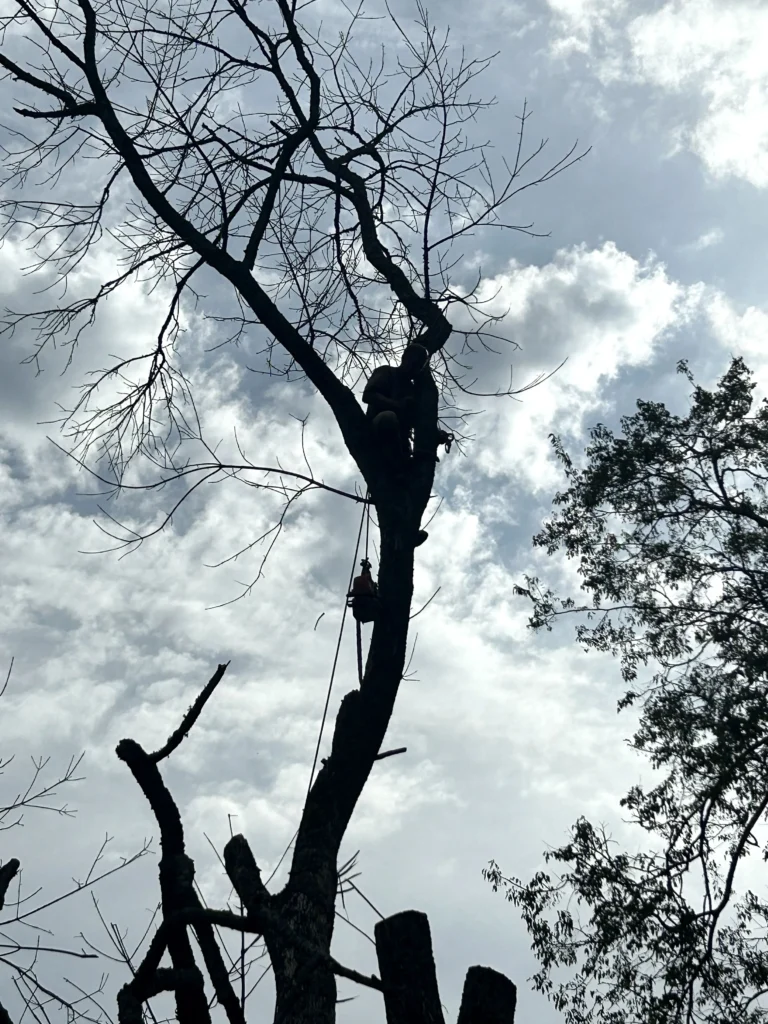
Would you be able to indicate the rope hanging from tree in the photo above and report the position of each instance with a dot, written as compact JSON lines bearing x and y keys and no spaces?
{"x":333,"y":673}
{"x":338,"y":645}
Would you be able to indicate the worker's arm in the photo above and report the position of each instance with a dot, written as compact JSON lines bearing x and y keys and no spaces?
{"x":374,"y":395}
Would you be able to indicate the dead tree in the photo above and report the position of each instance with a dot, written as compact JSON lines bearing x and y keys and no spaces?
{"x":193,"y":185}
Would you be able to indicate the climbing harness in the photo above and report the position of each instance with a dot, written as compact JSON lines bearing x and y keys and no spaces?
{"x":443,"y":438}
{"x":446,"y":439}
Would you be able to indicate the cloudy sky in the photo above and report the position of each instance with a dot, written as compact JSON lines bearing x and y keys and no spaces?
{"x":656,"y":252}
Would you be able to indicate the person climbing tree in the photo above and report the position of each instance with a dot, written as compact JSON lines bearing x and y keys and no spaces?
{"x":390,"y":395}
{"x":393,"y":395}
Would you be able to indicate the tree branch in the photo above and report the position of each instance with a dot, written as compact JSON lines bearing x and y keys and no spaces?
{"x":192,"y":715}
{"x":7,"y":873}
{"x":176,"y":877}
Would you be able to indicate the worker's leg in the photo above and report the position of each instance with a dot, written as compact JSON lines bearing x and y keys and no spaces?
{"x":387,"y":428}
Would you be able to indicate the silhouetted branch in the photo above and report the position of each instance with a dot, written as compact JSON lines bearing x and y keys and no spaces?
{"x":192,"y":715}
{"x":391,"y":753}
{"x":7,"y":874}
{"x":176,"y":877}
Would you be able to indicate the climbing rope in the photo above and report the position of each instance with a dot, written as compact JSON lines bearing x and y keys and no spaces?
{"x":338,"y":642}
{"x":367,"y":523}
{"x":359,"y":632}
{"x":366,"y":510}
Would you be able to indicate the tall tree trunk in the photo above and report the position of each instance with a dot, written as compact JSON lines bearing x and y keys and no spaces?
{"x":306,"y":990}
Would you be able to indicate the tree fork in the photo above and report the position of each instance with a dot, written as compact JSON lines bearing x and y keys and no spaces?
{"x":177,"y":872}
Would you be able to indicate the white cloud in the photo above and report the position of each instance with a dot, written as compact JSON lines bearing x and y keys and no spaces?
{"x":706,"y":240}
{"x":577,"y":22}
{"x":742,"y":334}
{"x":710,"y":52}
{"x":604,"y":311}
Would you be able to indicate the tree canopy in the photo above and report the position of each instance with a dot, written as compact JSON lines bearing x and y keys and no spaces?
{"x":669,"y":523}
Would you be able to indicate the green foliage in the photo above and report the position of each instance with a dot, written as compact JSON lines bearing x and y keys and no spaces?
{"x":670,"y":526}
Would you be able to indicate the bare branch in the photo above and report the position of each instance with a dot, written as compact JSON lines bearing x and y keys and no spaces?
{"x":192,"y":715}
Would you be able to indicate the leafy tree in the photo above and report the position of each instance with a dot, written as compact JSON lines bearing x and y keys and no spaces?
{"x":328,"y":196}
{"x":669,"y":523}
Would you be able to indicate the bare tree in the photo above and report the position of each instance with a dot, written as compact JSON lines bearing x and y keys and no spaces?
{"x":26,"y":945}
{"x":331,"y":196}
